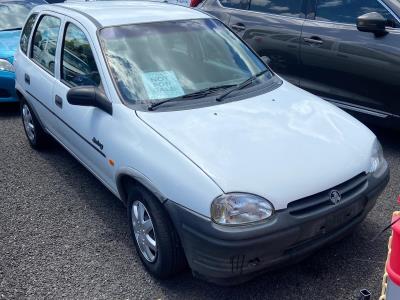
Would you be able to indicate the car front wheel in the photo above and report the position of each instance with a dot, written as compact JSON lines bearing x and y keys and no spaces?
{"x":154,"y":236}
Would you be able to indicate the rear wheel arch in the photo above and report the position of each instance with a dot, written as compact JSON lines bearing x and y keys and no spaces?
{"x":21,"y":99}
{"x":35,"y":132}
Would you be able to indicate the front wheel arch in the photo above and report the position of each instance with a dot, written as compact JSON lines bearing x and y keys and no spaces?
{"x":172,"y":255}
{"x":129,"y":177}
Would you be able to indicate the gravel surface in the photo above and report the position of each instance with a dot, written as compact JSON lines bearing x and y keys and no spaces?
{"x":63,"y":235}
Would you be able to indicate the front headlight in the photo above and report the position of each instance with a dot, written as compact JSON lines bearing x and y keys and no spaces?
{"x":240,"y":209}
{"x":377,"y":160}
{"x":5,"y":65}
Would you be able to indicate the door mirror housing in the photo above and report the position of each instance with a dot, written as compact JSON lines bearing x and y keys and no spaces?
{"x":89,"y":96}
{"x":372,"y":22}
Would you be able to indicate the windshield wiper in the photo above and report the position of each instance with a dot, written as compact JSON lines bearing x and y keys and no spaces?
{"x":241,"y":85}
{"x":194,"y":95}
{"x":11,"y":29}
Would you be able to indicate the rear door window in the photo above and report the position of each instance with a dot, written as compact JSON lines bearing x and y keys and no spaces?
{"x":44,"y":45}
{"x":290,"y":8}
{"x":26,"y":32}
{"x":347,"y":11}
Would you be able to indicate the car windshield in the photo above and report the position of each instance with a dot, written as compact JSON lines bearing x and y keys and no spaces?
{"x":14,"y":13}
{"x":155,"y":61}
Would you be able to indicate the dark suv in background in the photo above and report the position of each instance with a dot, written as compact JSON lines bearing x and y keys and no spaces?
{"x":346,"y":51}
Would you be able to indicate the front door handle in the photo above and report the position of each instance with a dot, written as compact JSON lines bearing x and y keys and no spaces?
{"x":238,"y":26}
{"x":314,"y":40}
{"x":27,"y":79}
{"x":58,"y":100}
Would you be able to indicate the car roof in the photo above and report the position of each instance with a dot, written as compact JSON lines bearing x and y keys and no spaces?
{"x":114,"y":13}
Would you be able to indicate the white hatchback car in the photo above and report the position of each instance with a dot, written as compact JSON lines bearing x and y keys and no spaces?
{"x":221,"y":163}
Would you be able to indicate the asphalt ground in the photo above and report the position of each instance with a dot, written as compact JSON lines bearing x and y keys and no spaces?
{"x":63,"y":235}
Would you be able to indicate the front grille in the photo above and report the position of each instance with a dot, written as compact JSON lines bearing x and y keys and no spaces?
{"x":302,"y":245}
{"x":321,"y":200}
{"x":4,"y":93}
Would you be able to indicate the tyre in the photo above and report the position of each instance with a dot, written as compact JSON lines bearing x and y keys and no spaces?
{"x":36,"y":135}
{"x":154,"y":235}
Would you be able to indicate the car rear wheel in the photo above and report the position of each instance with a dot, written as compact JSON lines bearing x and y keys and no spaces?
{"x":154,"y":236}
{"x":37,"y":137}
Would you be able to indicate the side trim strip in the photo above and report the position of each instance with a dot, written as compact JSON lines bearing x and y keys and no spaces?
{"x":77,"y":133}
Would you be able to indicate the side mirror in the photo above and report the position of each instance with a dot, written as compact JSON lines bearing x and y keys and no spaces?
{"x":372,"y":22}
{"x":89,"y":96}
{"x":266,"y":60}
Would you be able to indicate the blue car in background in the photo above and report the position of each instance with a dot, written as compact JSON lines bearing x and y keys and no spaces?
{"x":12,"y":17}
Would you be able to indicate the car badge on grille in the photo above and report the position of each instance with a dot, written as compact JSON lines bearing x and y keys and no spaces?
{"x":335,"y":197}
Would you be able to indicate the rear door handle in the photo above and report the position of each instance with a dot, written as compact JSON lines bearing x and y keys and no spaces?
{"x":314,"y":40}
{"x":27,"y":79}
{"x":238,"y":26}
{"x":58,"y":100}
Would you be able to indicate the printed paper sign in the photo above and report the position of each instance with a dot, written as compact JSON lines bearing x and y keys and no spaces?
{"x":162,"y":85}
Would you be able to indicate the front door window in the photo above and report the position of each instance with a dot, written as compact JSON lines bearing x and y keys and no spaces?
{"x":78,"y":63}
{"x":347,"y":11}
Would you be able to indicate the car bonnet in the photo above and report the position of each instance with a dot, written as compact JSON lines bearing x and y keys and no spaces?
{"x":283,"y":145}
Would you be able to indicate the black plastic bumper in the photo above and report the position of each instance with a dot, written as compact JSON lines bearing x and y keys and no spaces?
{"x":230,"y":255}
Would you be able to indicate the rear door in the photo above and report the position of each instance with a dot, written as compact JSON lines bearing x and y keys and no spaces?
{"x":39,"y":77}
{"x":273,"y":29}
{"x":358,"y":70}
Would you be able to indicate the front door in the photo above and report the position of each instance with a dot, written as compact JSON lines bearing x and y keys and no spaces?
{"x":357,"y":70}
{"x":82,"y":129}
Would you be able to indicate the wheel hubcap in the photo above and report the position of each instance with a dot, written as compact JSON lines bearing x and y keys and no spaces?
{"x":144,"y":231}
{"x":28,"y":122}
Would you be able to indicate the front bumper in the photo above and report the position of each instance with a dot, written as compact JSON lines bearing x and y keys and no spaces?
{"x":231,"y":255}
{"x":7,"y":87}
